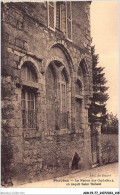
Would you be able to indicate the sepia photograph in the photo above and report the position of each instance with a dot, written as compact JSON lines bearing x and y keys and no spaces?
{"x":59,"y":94}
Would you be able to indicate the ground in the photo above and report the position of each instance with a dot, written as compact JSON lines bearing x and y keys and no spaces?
{"x":105,"y":176}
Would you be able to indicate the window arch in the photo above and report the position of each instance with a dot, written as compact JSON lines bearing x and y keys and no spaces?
{"x":28,"y":96}
{"x":84,"y":77}
{"x":28,"y":72}
{"x":83,"y":67}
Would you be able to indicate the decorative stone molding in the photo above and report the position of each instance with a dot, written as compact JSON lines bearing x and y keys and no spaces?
{"x":18,"y":82}
{"x":34,"y":63}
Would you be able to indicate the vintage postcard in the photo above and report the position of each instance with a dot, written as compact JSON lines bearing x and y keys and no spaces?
{"x":59,"y":95}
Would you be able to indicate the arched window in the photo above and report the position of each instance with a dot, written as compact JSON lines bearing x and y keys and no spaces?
{"x":28,"y":73}
{"x":28,"y":97}
{"x":82,"y":71}
{"x":56,"y":96}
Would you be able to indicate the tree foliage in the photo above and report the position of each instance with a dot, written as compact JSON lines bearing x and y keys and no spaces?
{"x":111,"y":125}
{"x":97,"y":110}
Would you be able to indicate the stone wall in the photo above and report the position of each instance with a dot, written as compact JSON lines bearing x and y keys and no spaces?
{"x":109,"y":143}
{"x":43,"y":153}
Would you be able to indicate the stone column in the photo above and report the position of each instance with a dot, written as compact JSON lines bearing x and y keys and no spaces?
{"x":97,"y":129}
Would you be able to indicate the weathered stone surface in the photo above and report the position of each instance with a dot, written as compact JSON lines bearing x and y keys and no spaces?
{"x":48,"y":150}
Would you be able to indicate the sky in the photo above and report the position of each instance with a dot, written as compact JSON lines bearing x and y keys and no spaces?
{"x":104,"y":31}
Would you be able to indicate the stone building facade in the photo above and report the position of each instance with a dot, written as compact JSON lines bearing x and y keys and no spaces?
{"x":46,"y":89}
